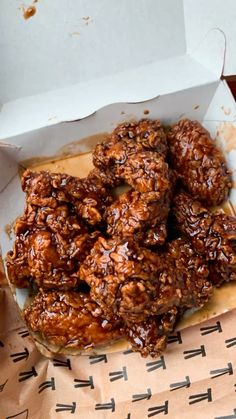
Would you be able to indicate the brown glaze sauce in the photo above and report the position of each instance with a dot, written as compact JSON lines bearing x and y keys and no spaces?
{"x":29,"y":12}
{"x":2,"y":275}
{"x":9,"y":229}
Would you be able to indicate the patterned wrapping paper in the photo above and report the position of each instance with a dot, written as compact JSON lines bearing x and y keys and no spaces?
{"x":194,"y":378}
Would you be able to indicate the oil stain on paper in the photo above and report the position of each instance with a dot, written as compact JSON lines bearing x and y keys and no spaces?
{"x":29,"y":11}
{"x":227,"y":131}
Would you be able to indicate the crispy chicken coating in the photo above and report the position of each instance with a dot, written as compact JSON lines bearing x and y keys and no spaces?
{"x":130,"y":155}
{"x":201,"y":166}
{"x":150,"y":337}
{"x":127,"y":139}
{"x":146,"y":171}
{"x":212,"y":235}
{"x":147,"y":134}
{"x":65,"y":319}
{"x":55,"y":232}
{"x":134,"y":282}
{"x":106,"y":176}
{"x":139,"y":215}
{"x":88,"y":197}
{"x":148,"y":174}
{"x":47,"y":258}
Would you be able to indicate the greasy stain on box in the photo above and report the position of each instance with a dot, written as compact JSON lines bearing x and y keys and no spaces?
{"x":29,"y":12}
{"x":227,"y":131}
{"x":227,"y":111}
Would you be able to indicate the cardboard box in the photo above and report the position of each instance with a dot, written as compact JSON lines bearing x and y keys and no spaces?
{"x":76,"y":69}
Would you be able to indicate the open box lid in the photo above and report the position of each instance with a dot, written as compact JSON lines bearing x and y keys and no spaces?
{"x":72,"y":58}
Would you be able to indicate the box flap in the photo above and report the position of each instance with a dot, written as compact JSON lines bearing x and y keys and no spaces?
{"x":203,"y":15}
{"x":134,"y":85}
{"x":82,"y":100}
{"x":70,"y":59}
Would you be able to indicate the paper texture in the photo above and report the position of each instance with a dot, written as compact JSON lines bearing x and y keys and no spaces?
{"x":193,"y":379}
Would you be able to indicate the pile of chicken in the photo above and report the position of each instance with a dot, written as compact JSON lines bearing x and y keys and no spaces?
{"x":108,"y":268}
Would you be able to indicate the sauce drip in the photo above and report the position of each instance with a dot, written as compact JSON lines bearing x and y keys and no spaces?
{"x":29,"y":12}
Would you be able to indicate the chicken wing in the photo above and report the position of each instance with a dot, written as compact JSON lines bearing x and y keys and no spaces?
{"x":57,"y":229}
{"x":200,"y":165}
{"x":65,"y":319}
{"x":212,"y":235}
{"x":134,"y":282}
{"x":150,"y":337}
{"x":139,"y":215}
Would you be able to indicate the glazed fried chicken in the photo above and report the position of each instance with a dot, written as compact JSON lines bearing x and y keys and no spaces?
{"x":55,"y":232}
{"x":133,"y":282}
{"x":104,"y":267}
{"x":129,"y":156}
{"x":147,"y":134}
{"x":107,"y":177}
{"x":147,"y":171}
{"x":47,"y":259}
{"x":150,"y":337}
{"x":127,"y":139}
{"x":149,"y":175}
{"x":200,"y":165}
{"x":139,"y":215}
{"x":65,"y":319}
{"x":212,"y":235}
{"x":88,"y":196}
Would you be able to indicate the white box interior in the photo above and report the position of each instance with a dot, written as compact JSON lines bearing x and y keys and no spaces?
{"x":72,"y":58}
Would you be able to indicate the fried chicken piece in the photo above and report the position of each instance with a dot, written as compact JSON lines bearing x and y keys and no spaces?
{"x":127,"y":139}
{"x":147,"y":134}
{"x":51,"y":241}
{"x":55,"y":232}
{"x":61,"y":219}
{"x":128,"y":156}
{"x":65,"y":319}
{"x":139,"y":215}
{"x":149,"y":204}
{"x":18,"y":270}
{"x":150,"y":337}
{"x":107,"y":177}
{"x":146,"y":171}
{"x":48,"y":259}
{"x":133,"y":282}
{"x":88,"y":196}
{"x":200,"y":164}
{"x":212,"y":235}
{"x":142,"y":212}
